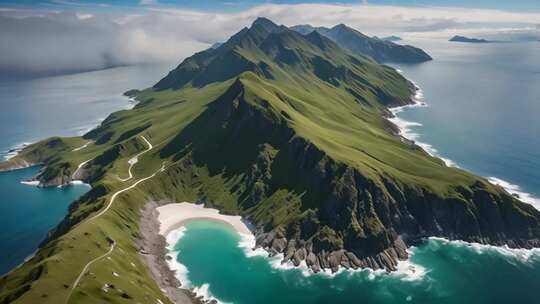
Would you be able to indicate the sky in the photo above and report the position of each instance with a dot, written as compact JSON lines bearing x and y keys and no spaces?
{"x":39,"y":37}
{"x":235,"y":5}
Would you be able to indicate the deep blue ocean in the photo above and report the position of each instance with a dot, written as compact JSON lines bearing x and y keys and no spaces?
{"x":483,"y":110}
{"x":34,"y":109}
{"x":483,"y":104}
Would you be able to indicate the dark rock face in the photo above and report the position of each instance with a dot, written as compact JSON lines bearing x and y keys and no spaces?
{"x":364,"y":225}
{"x":54,"y":176}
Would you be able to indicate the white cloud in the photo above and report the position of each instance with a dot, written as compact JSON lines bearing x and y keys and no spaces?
{"x":41,"y":41}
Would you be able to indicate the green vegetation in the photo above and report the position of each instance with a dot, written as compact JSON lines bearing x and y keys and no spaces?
{"x":284,"y":129}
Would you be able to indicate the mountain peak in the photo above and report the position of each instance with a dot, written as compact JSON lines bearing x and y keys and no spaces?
{"x":319,"y":40}
{"x":265,"y":23}
{"x":342,"y":27}
{"x":360,"y":44}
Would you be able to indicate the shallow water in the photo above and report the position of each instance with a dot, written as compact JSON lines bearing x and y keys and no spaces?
{"x":455,"y":272}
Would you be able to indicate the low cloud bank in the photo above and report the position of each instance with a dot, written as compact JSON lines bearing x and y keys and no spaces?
{"x":42,"y":42}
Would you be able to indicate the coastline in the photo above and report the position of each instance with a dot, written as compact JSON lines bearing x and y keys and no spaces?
{"x":405,"y":131}
{"x":169,"y":222}
{"x":404,"y":126}
{"x":15,"y":149}
{"x":153,"y":251}
{"x":175,"y":215}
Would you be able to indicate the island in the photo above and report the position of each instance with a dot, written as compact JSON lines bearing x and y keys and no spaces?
{"x":469,"y":40}
{"x":288,"y":132}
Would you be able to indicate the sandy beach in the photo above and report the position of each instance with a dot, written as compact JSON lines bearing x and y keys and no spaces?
{"x":156,"y":223}
{"x":174,"y":216}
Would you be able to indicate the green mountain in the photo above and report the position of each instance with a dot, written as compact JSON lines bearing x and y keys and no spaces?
{"x":380,"y":50}
{"x":287,"y":130}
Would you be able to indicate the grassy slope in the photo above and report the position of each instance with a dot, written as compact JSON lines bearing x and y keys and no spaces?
{"x":338,"y":111}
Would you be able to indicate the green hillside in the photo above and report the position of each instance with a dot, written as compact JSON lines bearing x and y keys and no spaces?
{"x":287,"y":130}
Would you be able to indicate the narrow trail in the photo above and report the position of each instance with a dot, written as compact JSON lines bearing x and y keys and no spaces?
{"x":102,"y":212}
{"x":82,"y":147}
{"x":113,"y":197}
{"x":113,"y":244}
{"x":79,"y":167}
{"x":132,"y":161}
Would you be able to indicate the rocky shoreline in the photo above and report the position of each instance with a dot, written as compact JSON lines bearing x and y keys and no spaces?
{"x":16,"y":164}
{"x":152,"y":249}
{"x":300,"y":251}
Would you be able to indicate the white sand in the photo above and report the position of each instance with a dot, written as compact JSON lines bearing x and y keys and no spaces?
{"x":174,"y":216}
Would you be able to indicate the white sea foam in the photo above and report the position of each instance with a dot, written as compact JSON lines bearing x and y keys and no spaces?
{"x":81,"y":130}
{"x":406,"y":270}
{"x":522,"y":255}
{"x":14,"y":150}
{"x":79,"y":183}
{"x":30,"y":183}
{"x":406,"y":128}
{"x":247,"y":244}
{"x":180,"y":271}
{"x":409,"y":271}
{"x":515,"y":189}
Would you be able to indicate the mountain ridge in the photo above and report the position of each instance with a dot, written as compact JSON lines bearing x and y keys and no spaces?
{"x":293,"y":136}
{"x":380,"y":50}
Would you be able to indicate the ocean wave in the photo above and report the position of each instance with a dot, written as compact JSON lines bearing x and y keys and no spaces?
{"x":14,"y":150}
{"x":180,"y":270}
{"x":406,"y":270}
{"x":83,"y":129}
{"x":515,"y":189}
{"x":76,"y":183}
{"x":409,"y":271}
{"x":30,"y":183}
{"x":525,"y":256}
{"x":406,"y":128}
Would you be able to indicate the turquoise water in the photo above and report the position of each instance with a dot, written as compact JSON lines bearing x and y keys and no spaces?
{"x":34,"y":109}
{"x":454,"y":273}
